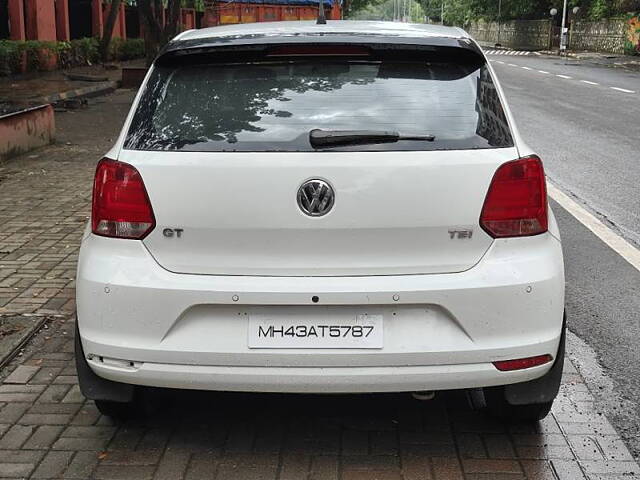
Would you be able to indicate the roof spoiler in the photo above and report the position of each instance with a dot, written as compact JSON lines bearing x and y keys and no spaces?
{"x":224,"y":47}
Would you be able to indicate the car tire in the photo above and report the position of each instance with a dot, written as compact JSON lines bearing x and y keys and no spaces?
{"x":115,"y":400}
{"x":498,"y":407}
{"x":529,"y":401}
{"x":119,"y":411}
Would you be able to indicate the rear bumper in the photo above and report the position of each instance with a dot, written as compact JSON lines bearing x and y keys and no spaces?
{"x":313,"y":379}
{"x":143,"y":325}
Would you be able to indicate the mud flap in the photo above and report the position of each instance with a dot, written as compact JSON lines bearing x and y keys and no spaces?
{"x":543,"y":389}
{"x":97,"y":388}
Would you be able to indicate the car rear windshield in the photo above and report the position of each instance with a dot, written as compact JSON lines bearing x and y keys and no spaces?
{"x":274,"y":105}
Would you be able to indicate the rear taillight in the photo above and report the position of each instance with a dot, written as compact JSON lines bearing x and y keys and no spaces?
{"x":516,"y":203}
{"x":522,"y":363}
{"x":121,"y":206}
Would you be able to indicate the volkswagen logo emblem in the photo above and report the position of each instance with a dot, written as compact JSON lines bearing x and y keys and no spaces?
{"x":315,"y":197}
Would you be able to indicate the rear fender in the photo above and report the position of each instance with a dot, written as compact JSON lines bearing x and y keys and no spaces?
{"x":94,"y":387}
{"x":543,"y":389}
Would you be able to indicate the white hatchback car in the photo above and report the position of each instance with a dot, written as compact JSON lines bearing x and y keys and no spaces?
{"x":334,"y":208}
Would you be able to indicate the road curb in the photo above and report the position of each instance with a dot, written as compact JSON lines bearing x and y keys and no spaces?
{"x":12,"y":344}
{"x":101,"y":88}
{"x":32,"y":323}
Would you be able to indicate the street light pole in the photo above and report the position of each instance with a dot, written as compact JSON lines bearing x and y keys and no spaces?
{"x":442,"y":13}
{"x":563,"y":32}
{"x":499,"y":16}
{"x":322,"y":19}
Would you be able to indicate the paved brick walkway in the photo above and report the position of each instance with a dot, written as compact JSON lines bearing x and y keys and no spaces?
{"x":48,"y":430}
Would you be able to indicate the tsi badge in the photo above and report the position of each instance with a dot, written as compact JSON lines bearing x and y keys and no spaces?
{"x":460,"y":233}
{"x":172,"y":232}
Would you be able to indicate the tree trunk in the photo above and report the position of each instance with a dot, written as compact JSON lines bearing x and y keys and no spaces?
{"x":150,"y":48}
{"x":105,"y":41}
{"x":157,"y":35}
{"x":172,"y":27}
{"x":152,"y":28}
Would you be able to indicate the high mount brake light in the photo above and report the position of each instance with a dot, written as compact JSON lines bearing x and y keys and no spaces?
{"x":522,"y":363}
{"x":121,"y":206}
{"x":516,"y":203}
{"x":319,"y":50}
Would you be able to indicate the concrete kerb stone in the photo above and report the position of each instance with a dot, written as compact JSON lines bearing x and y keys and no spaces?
{"x":101,"y":88}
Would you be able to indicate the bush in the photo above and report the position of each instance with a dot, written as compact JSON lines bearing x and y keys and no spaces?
{"x":132,"y":48}
{"x":83,"y":51}
{"x":32,"y":55}
{"x":41,"y":55}
{"x":18,"y":57}
{"x":632,"y":35}
{"x":126,"y":49}
{"x":11,"y":55}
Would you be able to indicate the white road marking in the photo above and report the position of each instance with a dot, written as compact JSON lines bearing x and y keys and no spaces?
{"x":623,"y":248}
{"x":507,"y":52}
{"x":622,"y":90}
{"x":567,"y":77}
{"x":500,"y":61}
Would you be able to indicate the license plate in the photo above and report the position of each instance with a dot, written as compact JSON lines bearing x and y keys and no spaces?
{"x":332,"y":331}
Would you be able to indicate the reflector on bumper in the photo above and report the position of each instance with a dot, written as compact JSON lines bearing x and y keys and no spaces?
{"x":522,"y":363}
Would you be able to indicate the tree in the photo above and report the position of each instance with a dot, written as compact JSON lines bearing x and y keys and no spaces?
{"x":352,"y":6}
{"x":156,"y":32}
{"x":461,"y":12}
{"x":384,"y":10}
{"x":105,"y":41}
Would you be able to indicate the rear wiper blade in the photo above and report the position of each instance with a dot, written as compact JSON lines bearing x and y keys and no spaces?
{"x":336,"y":138}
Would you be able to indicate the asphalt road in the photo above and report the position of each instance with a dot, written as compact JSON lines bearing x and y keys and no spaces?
{"x":587,"y":134}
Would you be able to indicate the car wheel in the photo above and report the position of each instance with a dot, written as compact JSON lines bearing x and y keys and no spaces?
{"x":115,"y":410}
{"x":498,"y":407}
{"x":112,"y":399}
{"x":529,"y":401}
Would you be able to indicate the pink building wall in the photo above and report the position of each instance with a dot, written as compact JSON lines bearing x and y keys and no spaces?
{"x":40,"y":20}
{"x":62,"y":20}
{"x":16,"y":20}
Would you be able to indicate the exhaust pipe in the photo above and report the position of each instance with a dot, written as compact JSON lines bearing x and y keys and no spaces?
{"x":424,"y":395}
